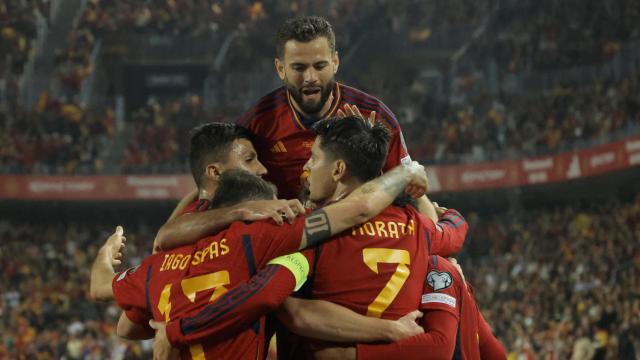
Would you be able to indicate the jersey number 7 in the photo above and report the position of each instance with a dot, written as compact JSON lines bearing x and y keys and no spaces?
{"x":372,"y":257}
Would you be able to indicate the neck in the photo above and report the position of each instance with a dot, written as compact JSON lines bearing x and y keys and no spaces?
{"x":206,"y":192}
{"x":343,"y":189}
{"x":320,"y":114}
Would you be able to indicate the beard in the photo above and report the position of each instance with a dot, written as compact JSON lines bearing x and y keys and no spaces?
{"x":310,"y":108}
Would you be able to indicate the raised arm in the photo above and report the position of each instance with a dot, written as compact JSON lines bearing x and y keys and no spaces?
{"x":102,"y":272}
{"x":447,"y":236}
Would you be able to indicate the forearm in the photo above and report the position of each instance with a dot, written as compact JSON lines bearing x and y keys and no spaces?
{"x":189,"y":228}
{"x":236,"y":310}
{"x":426,"y":208}
{"x":102,"y":274}
{"x":380,"y":192}
{"x":438,"y":341}
{"x":130,"y":330}
{"x":324,"y":320}
{"x":449,"y":238}
{"x":362,"y":204}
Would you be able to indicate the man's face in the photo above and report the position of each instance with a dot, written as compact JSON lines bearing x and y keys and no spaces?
{"x":308,"y":71}
{"x":243,"y":156}
{"x":320,"y":179}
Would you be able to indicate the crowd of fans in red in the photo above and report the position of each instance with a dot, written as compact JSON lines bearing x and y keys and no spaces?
{"x":552,"y":283}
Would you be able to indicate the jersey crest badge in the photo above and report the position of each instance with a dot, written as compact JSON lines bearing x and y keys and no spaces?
{"x":439,"y":280}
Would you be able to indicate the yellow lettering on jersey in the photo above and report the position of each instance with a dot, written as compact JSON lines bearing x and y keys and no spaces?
{"x":197,"y":258}
{"x":167,"y":262}
{"x":184,"y":262}
{"x":380,"y":228}
{"x":411,"y":227}
{"x":393,"y":230}
{"x":166,"y":256}
{"x":368,"y":228}
{"x":224,"y":247}
{"x":211,"y":252}
{"x":385,"y":229}
{"x":176,"y":261}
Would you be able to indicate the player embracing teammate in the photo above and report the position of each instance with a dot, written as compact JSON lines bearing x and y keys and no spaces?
{"x":310,"y":131}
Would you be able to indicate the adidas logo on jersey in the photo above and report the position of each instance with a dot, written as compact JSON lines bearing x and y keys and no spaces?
{"x":278,"y":148}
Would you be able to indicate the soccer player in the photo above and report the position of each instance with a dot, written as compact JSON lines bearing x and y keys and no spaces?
{"x":306,"y":62}
{"x":377,"y":268}
{"x":182,"y":280}
{"x":214,"y":149}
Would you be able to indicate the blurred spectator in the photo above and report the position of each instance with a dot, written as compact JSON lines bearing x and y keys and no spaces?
{"x":55,"y":138}
{"x":561,"y":282}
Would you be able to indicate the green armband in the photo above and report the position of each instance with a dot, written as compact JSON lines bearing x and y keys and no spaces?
{"x":297,"y":264}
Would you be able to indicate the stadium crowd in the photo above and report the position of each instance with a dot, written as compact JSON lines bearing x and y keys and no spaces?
{"x":552,"y":283}
{"x":44,"y":305}
{"x":561,"y":283}
{"x":56,"y":137}
{"x":552,"y":34}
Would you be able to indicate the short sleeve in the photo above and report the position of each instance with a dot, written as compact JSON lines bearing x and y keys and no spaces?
{"x":129,"y":292}
{"x":442,"y":287}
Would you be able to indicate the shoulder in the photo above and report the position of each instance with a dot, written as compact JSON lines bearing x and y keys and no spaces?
{"x":441,"y":274}
{"x":265,"y":104}
{"x":368,"y":102}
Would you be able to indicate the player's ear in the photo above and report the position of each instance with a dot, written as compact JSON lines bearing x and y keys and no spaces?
{"x":279,"y":64}
{"x":336,"y":61}
{"x":213,"y":171}
{"x":339,"y":170}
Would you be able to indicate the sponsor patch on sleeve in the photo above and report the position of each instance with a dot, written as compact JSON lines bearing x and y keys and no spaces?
{"x":439,"y":298}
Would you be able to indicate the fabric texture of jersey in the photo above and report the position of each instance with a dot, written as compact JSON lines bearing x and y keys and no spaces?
{"x":180,"y":282}
{"x":461,"y":333}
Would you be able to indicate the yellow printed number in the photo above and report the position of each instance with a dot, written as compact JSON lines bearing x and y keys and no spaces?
{"x":190,"y":287}
{"x":372,"y":257}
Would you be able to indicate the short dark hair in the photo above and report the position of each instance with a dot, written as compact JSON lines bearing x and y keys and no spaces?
{"x":212,"y":143}
{"x":237,"y":186}
{"x":363,"y":147}
{"x":304,"y":29}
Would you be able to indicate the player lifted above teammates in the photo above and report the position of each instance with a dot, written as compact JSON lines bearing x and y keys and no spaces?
{"x":306,"y":62}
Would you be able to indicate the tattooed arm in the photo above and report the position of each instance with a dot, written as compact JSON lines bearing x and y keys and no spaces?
{"x":366,"y":201}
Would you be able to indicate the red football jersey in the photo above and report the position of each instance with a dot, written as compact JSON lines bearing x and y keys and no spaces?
{"x":197,"y":205}
{"x":180,"y":282}
{"x":378,"y":268}
{"x":284,"y":140}
{"x":461,"y":333}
